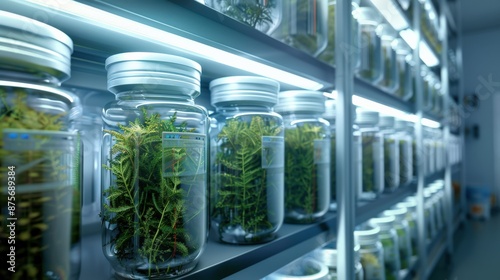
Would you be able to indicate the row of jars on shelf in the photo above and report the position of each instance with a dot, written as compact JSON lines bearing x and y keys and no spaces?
{"x":384,"y":245}
{"x":379,"y":55}
{"x":265,"y":154}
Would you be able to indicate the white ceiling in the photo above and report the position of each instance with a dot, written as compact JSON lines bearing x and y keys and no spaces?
{"x":479,"y":15}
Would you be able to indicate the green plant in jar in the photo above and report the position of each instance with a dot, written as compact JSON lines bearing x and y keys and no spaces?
{"x":40,"y":161}
{"x":242,"y":196}
{"x":368,"y":156}
{"x":403,"y":162}
{"x":147,"y":202}
{"x":305,"y":34}
{"x":328,"y":55}
{"x":388,"y":161}
{"x":391,"y":269}
{"x":301,"y":175}
{"x":250,"y":12}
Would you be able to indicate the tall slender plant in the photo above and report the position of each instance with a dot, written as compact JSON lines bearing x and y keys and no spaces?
{"x":242,"y":195}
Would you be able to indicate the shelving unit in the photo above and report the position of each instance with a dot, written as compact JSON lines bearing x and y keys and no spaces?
{"x":182,"y":27}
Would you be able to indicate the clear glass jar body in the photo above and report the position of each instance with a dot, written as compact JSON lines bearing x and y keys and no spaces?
{"x":370,"y":171}
{"x":390,"y":243}
{"x":155,"y":151}
{"x":390,"y":66}
{"x":304,"y":25}
{"x":404,"y":243}
{"x":247,"y":174}
{"x":372,"y":261}
{"x":391,"y":159}
{"x":430,"y":218}
{"x":40,"y":163}
{"x":307,"y":167}
{"x":411,"y":218}
{"x":406,"y":156}
{"x":370,"y":65}
{"x":328,"y":55}
{"x":405,"y":76}
{"x":263,"y":15}
{"x":428,"y":85}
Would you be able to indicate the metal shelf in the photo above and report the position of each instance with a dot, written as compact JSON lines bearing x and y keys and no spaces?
{"x":434,"y":251}
{"x":367,"y":90}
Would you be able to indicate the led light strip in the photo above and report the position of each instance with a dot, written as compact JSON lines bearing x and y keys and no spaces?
{"x":129,"y":27}
{"x":384,"y":109}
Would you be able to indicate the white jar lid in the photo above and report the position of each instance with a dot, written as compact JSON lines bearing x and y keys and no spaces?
{"x":300,"y":101}
{"x":366,"y":117}
{"x":153,"y":72}
{"x":367,"y":236}
{"x":27,"y":44}
{"x":244,"y":90}
{"x":399,"y":213}
{"x":386,"y":122}
{"x":410,"y":205}
{"x":385,"y":223}
{"x":301,"y":269}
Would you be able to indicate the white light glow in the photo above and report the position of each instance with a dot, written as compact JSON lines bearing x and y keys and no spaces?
{"x":430,"y":123}
{"x":132,"y":28}
{"x":382,"y":109}
{"x":410,"y":37}
{"x":391,"y":13}
{"x":427,"y":55}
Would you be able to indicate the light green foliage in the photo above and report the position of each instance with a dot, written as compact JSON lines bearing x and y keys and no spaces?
{"x":301,"y":174}
{"x":149,"y":209}
{"x":242,"y":183}
{"x":38,"y":213}
{"x":391,"y":269}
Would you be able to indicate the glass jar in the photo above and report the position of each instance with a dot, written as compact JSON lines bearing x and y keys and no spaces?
{"x":389,"y":239}
{"x":248,"y":163}
{"x":429,"y":216}
{"x":405,"y":140}
{"x":307,"y":155}
{"x":304,"y":25}
{"x":404,"y":68}
{"x":371,"y":252}
{"x":430,"y":151}
{"x":39,"y":152}
{"x":437,"y":190}
{"x":438,"y":98}
{"x":391,"y":152}
{"x":402,"y":228}
{"x":390,"y":66}
{"x":411,"y":216}
{"x":370,"y":67}
{"x":428,"y":80}
{"x":328,"y":257}
{"x":328,"y":55}
{"x":263,"y":15}
{"x":330,"y":115}
{"x":370,"y":182}
{"x":155,"y":148}
{"x":305,"y":268}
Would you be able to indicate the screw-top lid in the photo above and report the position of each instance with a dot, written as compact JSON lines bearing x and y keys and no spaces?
{"x":386,"y":32}
{"x":367,"y":15}
{"x":27,"y":44}
{"x":368,"y":235}
{"x":401,"y":47}
{"x":365,"y":117}
{"x":153,"y":72}
{"x":386,"y":122}
{"x":409,"y":205}
{"x":399,"y":213}
{"x":300,"y":101}
{"x":384,"y":223}
{"x":403,"y":125}
{"x":244,"y":90}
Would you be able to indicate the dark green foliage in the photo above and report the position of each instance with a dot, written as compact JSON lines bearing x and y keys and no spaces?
{"x":403,"y":162}
{"x":242,"y":184}
{"x":307,"y":21}
{"x":150,"y":210}
{"x":250,"y":12}
{"x":387,"y":81}
{"x":369,"y":72}
{"x":301,"y":171}
{"x":414,"y":154}
{"x":389,"y":174}
{"x":368,"y":163}
{"x":41,"y":215}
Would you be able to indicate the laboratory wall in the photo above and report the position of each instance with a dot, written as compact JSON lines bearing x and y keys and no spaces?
{"x":480,"y":114}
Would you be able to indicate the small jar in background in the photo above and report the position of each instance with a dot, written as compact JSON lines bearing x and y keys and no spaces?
{"x":371,"y":252}
{"x":370,"y":67}
{"x":390,"y":67}
{"x":391,"y":152}
{"x":389,"y":239}
{"x":403,"y":231}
